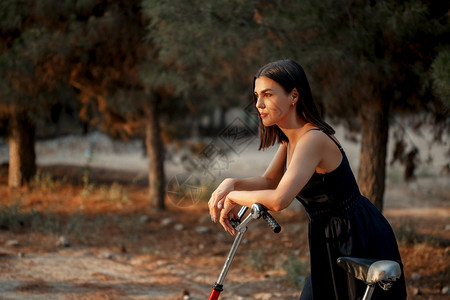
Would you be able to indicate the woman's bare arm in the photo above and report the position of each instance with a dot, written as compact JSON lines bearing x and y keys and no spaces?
{"x":269,"y":180}
{"x":305,"y":159}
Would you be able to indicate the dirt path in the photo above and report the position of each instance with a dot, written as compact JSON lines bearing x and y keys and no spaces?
{"x":35,"y":268}
{"x":76,"y":274}
{"x":94,"y":273}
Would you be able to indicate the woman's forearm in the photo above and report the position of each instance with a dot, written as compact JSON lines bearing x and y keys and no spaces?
{"x":252,"y":183}
{"x":269,"y":198}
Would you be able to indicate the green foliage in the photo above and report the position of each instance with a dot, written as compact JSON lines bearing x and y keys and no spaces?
{"x":131,"y":224}
{"x":407,"y":235}
{"x":57,"y":51}
{"x":12,"y":14}
{"x":296,"y":270}
{"x":255,"y":261}
{"x":206,"y":48}
{"x":205,"y":52}
{"x":441,"y":76}
{"x":108,"y":59}
{"x":11,"y":217}
{"x":78,"y":225}
{"x":358,"y":51}
{"x":33,"y":54}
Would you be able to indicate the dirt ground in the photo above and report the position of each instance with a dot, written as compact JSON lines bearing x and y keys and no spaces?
{"x":78,"y":235}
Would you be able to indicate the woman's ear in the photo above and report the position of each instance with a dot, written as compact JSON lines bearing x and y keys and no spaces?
{"x":294,"y":94}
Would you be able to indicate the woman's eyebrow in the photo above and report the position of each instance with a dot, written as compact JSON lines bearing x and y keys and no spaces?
{"x":264,"y":91}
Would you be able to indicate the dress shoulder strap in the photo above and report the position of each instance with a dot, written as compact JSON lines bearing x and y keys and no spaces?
{"x":337,"y":144}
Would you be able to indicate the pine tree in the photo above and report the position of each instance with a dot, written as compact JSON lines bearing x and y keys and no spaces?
{"x":368,"y":61}
{"x":32,"y":68}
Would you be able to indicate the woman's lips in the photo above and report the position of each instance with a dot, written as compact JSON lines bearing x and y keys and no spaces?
{"x":263,"y":115}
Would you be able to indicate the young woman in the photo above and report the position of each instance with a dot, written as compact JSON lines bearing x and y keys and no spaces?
{"x":311,"y":166}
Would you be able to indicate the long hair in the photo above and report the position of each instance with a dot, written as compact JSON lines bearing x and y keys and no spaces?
{"x":289,"y":75}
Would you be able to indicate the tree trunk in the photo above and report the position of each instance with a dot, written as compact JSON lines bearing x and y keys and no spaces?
{"x":22,"y":156}
{"x":155,"y":152}
{"x":372,"y":163}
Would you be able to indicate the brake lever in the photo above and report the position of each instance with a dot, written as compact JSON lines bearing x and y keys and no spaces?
{"x":235,"y":222}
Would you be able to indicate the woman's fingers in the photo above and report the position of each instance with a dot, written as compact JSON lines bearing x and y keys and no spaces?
{"x":215,"y":205}
{"x":226,"y":223}
{"x":225,"y":216}
{"x":212,"y":205}
{"x":216,"y":202}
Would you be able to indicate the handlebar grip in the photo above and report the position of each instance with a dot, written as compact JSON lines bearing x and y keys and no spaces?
{"x":271,"y":221}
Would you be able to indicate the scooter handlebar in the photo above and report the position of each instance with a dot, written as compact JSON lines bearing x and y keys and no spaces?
{"x":258,"y":210}
{"x":271,"y":221}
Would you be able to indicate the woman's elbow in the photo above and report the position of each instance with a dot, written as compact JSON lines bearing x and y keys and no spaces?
{"x":280,"y":204}
{"x":277,"y":208}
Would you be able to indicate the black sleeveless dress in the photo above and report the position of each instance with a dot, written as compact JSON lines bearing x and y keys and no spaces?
{"x":344,"y":223}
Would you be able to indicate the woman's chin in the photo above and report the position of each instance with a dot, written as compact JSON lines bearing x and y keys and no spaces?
{"x":267,"y":123}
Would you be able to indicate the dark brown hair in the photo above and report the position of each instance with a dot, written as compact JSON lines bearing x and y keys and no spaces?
{"x":289,"y":75}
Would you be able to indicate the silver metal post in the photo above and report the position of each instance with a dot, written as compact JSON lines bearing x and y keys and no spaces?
{"x":369,"y":292}
{"x":241,"y":229}
{"x":230,"y":257}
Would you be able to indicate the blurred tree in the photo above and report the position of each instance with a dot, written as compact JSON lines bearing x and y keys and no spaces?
{"x":206,"y":47}
{"x":109,"y":51}
{"x":203,"y":49}
{"x":32,"y":68}
{"x":370,"y":60}
{"x":90,"y":51}
{"x":135,"y":64}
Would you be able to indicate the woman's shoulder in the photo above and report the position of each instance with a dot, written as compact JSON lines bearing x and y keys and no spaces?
{"x":320,"y":134}
{"x":314,"y":140}
{"x":314,"y":134}
{"x":322,"y":143}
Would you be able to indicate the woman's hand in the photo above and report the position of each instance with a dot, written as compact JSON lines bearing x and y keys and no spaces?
{"x":228,"y":211}
{"x":216,"y":202}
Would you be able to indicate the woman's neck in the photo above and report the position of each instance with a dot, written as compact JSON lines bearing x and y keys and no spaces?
{"x":295,"y":131}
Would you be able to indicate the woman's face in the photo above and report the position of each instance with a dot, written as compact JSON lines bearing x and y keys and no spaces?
{"x":272,"y":101}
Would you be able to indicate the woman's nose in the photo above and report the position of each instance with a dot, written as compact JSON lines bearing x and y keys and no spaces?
{"x":259,"y":103}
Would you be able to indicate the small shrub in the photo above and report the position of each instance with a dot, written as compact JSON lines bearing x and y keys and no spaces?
{"x":47,"y":222}
{"x":88,"y":186}
{"x":76,"y":225}
{"x":255,"y":261}
{"x":131,"y":224}
{"x":43,"y":180}
{"x":296,"y":270}
{"x":151,"y":251}
{"x":406,"y":234}
{"x":115,"y":193}
{"x":11,"y":217}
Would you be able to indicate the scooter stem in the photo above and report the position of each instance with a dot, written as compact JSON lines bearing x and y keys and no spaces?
{"x":218,"y":286}
{"x":230,"y":257}
{"x":241,"y":227}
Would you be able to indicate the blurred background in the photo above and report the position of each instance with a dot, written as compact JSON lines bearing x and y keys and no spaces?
{"x":119,"y":118}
